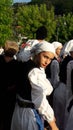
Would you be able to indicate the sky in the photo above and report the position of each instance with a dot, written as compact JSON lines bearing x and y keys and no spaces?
{"x":19,"y":1}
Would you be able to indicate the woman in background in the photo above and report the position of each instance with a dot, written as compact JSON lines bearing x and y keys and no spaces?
{"x":8,"y":79}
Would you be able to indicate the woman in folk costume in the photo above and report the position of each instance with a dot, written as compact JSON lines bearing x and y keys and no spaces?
{"x":65,"y":72}
{"x":53,"y":68}
{"x":69,"y":97}
{"x":41,"y":34}
{"x":8,"y":78}
{"x":32,"y":107}
{"x":63,"y":66}
{"x":69,"y":106}
{"x":55,"y":64}
{"x":60,"y":93}
{"x":60,"y":90}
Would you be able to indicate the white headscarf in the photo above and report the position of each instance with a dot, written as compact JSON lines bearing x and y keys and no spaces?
{"x":25,"y":55}
{"x":57,"y":44}
{"x":43,"y":46}
{"x":69,"y":46}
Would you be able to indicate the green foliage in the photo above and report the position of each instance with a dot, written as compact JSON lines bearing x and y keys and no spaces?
{"x":61,"y":6}
{"x":64,"y":28}
{"x":29,"y":18}
{"x":25,"y":19}
{"x":5,"y":20}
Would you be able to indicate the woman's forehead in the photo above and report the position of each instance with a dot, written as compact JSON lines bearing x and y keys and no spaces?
{"x":48,"y":54}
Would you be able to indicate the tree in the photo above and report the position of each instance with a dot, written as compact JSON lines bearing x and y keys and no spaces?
{"x":5,"y":20}
{"x":61,"y":6}
{"x":64,"y":28}
{"x":29,"y":18}
{"x":39,"y":2}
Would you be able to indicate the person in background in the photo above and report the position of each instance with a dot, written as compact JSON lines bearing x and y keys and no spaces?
{"x":23,"y":43}
{"x":60,"y":93}
{"x":8,"y":75}
{"x":69,"y":86}
{"x":58,"y":47}
{"x":32,"y":106}
{"x":69,"y":107}
{"x":41,"y":34}
{"x":54,"y":78}
{"x":63,"y":67}
{"x":53,"y":68}
{"x":55,"y":64}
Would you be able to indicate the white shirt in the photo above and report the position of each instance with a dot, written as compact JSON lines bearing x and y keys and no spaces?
{"x":41,"y":87}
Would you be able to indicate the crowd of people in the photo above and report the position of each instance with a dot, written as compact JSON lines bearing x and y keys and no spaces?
{"x":36,"y":82}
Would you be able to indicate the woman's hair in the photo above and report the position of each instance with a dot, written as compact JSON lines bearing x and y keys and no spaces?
{"x":11,"y":48}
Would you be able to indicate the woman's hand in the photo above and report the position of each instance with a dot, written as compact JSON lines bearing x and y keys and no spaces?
{"x":53,"y":125}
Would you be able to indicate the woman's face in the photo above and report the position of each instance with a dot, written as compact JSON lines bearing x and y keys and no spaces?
{"x":44,"y":58}
{"x":71,"y":53}
{"x":58,"y":50}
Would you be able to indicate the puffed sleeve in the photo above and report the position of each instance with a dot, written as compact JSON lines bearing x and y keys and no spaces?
{"x":41,"y":87}
{"x":54,"y":72}
{"x":68,"y":81}
{"x":23,"y":55}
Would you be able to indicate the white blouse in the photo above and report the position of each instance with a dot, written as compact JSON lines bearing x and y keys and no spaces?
{"x":41,"y":87}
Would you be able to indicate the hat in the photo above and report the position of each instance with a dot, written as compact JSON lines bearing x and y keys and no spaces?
{"x":56,"y":44}
{"x":69,"y":46}
{"x":71,"y":50}
{"x":43,"y":46}
{"x":11,"y":48}
{"x":26,"y":54}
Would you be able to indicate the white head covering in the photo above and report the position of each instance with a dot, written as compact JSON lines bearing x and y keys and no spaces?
{"x":43,"y":46}
{"x":56,"y":44}
{"x":69,"y":46}
{"x":25,"y":55}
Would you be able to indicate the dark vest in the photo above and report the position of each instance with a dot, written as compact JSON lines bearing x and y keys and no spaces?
{"x":63,"y":69}
{"x":48,"y":69}
{"x":23,"y":86}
